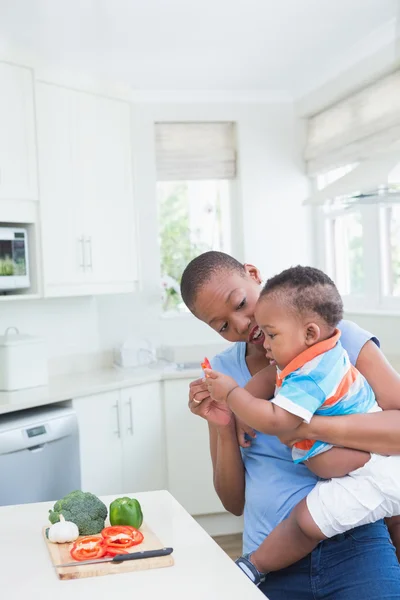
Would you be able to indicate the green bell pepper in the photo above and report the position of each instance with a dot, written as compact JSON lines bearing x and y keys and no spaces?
{"x":126,"y":511}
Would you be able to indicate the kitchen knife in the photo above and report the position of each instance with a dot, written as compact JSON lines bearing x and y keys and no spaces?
{"x":120,"y":557}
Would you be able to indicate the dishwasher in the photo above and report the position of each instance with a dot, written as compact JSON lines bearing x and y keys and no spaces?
{"x":39,"y":455}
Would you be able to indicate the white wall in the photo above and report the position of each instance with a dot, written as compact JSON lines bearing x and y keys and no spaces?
{"x":386,"y":327}
{"x":271,"y":221}
{"x":271,"y":231}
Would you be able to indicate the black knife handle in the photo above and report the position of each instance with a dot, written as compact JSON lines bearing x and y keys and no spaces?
{"x":144,"y":554}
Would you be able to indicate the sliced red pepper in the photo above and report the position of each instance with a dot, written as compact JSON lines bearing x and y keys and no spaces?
{"x":206,"y":364}
{"x":117,"y":529}
{"x":125,"y":542}
{"x":88,"y":547}
{"x":116,"y":551}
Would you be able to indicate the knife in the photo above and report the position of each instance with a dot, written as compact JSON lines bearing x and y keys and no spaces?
{"x":120,"y":557}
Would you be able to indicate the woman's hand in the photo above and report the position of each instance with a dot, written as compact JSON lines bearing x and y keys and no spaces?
{"x":201,"y":404}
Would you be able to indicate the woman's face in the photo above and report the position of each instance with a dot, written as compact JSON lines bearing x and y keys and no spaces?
{"x":227,"y":303}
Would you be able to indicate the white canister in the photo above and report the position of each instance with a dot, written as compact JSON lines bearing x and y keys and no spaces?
{"x":23,"y":361}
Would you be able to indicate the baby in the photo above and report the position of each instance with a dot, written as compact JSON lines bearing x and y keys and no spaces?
{"x":298,"y":312}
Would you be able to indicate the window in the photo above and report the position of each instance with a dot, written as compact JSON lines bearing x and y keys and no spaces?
{"x":194,"y":216}
{"x":196,"y":165}
{"x":358,"y":244}
{"x":348,"y":253}
{"x":393,"y":215}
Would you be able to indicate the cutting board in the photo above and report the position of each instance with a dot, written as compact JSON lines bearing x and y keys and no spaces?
{"x":59,"y":554}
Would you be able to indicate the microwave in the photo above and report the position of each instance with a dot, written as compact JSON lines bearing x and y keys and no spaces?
{"x":14,"y":259}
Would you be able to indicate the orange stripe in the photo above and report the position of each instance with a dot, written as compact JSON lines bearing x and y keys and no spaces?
{"x":309,"y":354}
{"x":343,"y":388}
{"x":304,"y":444}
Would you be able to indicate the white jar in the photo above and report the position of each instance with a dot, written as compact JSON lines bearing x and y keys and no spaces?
{"x":23,"y":361}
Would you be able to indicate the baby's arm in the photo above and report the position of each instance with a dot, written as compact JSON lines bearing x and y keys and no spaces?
{"x":261,"y":414}
{"x":255,"y":412}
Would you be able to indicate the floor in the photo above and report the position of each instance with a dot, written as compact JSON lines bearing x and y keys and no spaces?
{"x":232,"y":544}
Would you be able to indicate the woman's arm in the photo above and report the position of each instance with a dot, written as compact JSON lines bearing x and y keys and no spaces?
{"x":228,"y":467}
{"x":376,"y":432}
{"x":225,"y":453}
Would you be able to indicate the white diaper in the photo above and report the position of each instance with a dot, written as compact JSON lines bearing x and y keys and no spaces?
{"x":364,"y":496}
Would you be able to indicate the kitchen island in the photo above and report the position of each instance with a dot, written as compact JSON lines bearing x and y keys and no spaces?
{"x":202,"y":570}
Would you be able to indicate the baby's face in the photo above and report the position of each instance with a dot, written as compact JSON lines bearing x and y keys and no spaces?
{"x":285,"y":332}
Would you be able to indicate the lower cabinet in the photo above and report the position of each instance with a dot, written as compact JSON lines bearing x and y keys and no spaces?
{"x":122,"y":440}
{"x":190,"y":474}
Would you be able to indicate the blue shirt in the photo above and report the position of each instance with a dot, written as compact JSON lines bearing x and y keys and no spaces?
{"x":274,"y":483}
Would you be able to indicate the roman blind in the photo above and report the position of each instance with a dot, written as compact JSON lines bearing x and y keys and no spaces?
{"x":187,"y":151}
{"x":356,"y":128}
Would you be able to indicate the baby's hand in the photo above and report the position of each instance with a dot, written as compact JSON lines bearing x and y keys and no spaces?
{"x":243,"y":430}
{"x":219,"y":385}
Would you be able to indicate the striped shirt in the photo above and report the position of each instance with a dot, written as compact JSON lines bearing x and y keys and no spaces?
{"x":322,"y":381}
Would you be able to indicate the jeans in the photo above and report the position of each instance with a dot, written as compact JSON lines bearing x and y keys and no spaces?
{"x":359,"y":564}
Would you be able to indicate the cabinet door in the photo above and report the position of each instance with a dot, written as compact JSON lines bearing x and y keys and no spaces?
{"x":17,"y":138}
{"x":144,"y":465}
{"x":61,"y":215}
{"x":100,"y":439}
{"x":190,"y":475}
{"x":104,"y":133}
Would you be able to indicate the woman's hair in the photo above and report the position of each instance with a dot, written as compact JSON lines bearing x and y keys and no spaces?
{"x":201,"y":269}
{"x":307,"y":290}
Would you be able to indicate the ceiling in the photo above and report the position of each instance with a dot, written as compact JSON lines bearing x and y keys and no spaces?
{"x":291,"y":46}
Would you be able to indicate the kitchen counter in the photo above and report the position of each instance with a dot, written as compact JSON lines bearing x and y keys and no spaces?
{"x":202,"y":570}
{"x":85,"y":384}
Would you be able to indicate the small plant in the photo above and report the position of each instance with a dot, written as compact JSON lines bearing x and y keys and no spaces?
{"x":6,"y":267}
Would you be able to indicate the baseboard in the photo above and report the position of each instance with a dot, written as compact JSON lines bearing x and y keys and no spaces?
{"x":220,"y":524}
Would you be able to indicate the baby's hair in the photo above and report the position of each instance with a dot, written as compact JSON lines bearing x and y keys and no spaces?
{"x":202,"y":268}
{"x":307,"y":290}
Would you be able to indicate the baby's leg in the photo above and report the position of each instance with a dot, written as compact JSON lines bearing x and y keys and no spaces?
{"x":291,"y":541}
{"x":337,"y":462}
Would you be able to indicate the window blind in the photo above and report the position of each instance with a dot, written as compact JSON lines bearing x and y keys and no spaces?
{"x":366,"y":178}
{"x":187,"y":151}
{"x":355,"y":128}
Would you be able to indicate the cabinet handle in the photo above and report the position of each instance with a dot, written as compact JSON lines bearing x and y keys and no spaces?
{"x":118,"y":432}
{"x":89,"y":245}
{"x":81,"y":252}
{"x":1,"y":179}
{"x":130,"y":429}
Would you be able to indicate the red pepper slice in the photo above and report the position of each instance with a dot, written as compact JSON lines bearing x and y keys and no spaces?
{"x":117,"y":529}
{"x":206,"y":364}
{"x":115,"y":551}
{"x":136,"y":537}
{"x":88,"y":547}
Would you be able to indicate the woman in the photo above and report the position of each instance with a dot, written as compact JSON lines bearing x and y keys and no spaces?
{"x":261,"y":480}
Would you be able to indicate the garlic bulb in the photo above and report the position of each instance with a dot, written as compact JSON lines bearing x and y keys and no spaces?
{"x":63,"y":531}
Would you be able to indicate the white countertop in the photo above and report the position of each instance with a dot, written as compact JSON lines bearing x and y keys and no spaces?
{"x":78,"y":385}
{"x":202,"y":571}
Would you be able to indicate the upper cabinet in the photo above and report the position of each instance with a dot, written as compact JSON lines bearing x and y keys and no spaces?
{"x":18,"y":179}
{"x":86,"y":196}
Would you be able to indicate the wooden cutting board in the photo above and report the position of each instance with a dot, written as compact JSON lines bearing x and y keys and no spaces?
{"x":60,"y":553}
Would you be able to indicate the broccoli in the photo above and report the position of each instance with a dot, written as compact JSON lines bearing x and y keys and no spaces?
{"x":84,"y":509}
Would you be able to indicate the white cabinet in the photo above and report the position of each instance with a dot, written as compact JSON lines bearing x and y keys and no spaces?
{"x":190,"y":474}
{"x":144,"y":462}
{"x":18,"y":180}
{"x":122,"y":440}
{"x":61,"y":213}
{"x":99,"y":420}
{"x":87,"y":209}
